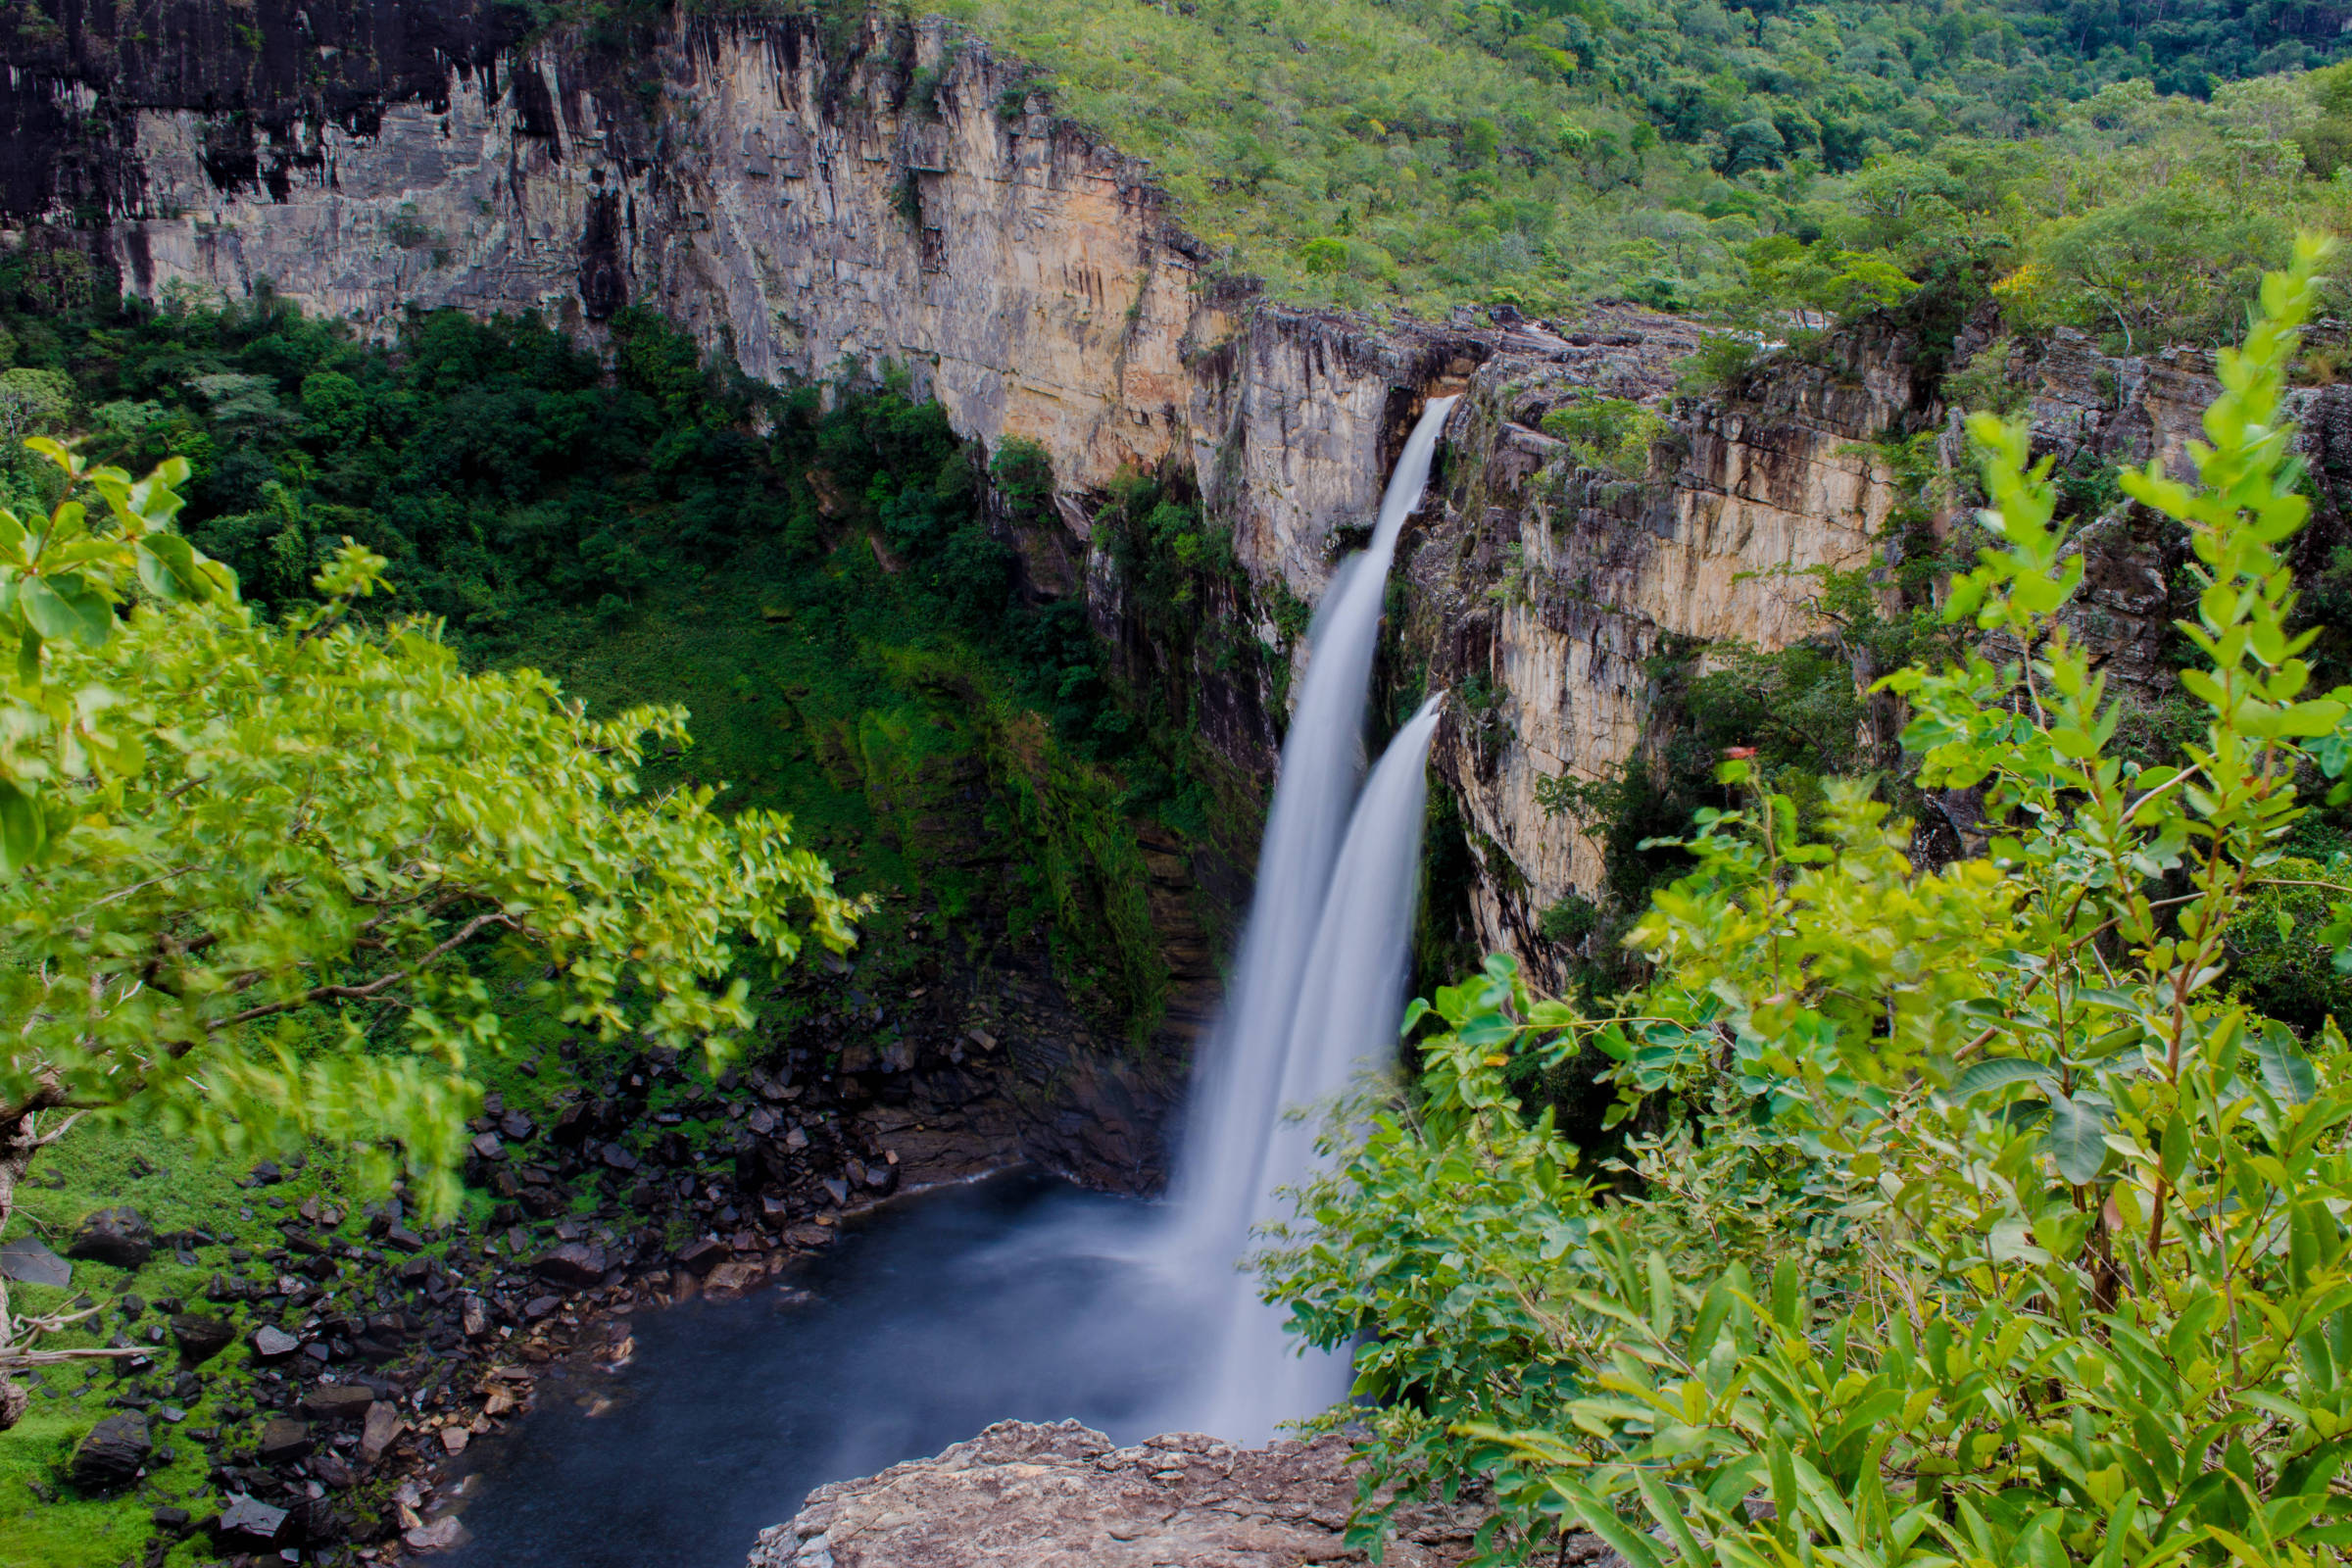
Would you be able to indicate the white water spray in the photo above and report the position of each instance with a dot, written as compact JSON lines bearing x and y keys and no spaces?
{"x":1317,"y":987}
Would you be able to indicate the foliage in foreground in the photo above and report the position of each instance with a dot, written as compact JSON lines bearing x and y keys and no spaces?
{"x":1972,"y":1218}
{"x":241,"y":862}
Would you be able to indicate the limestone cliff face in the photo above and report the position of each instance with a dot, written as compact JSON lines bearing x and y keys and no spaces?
{"x":814,"y":204}
{"x":891,"y":197}
{"x":1546,"y":586}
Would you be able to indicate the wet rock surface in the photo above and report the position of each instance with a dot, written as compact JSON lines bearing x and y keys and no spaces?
{"x":112,"y":1454}
{"x":118,"y":1236}
{"x":1061,"y":1496}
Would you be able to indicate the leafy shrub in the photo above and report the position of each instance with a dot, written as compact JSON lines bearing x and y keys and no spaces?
{"x":1569,"y":921}
{"x":1613,"y":435}
{"x":1721,"y":360}
{"x":1966,"y":1218}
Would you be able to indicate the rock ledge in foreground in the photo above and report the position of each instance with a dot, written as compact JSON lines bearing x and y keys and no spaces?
{"x":1025,"y":1495}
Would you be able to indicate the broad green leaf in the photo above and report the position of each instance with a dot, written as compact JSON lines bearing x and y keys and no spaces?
{"x":2075,"y":1139}
{"x":1983,"y":1077}
{"x":2284,"y":1068}
{"x":23,"y":830}
{"x":64,"y":608}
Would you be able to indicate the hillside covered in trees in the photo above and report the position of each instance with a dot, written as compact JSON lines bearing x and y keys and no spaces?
{"x":2123,"y":168}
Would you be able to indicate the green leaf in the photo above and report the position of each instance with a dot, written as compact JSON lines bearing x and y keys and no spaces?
{"x":2000,"y":1072}
{"x":23,"y":830}
{"x":64,"y":608}
{"x":1637,"y":1548}
{"x":2284,"y":1068}
{"x":168,"y":569}
{"x":2075,"y":1139}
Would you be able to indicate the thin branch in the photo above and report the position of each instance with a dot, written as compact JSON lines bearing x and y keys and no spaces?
{"x":135,"y":887}
{"x":381,"y":983}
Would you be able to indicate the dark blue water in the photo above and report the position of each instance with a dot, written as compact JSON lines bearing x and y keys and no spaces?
{"x":941,"y":1315}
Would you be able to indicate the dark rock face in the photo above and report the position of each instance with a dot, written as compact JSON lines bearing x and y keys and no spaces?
{"x":118,"y":1236}
{"x":604,"y":281}
{"x":1027,"y":1495}
{"x":113,"y":1453}
{"x":576,"y":1263}
{"x":202,"y":1338}
{"x":263,"y":77}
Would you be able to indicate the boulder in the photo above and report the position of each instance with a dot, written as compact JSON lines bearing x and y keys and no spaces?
{"x":28,"y":1262}
{"x":574,"y":1263}
{"x":248,"y":1524}
{"x":202,"y":1338}
{"x":702,"y":1255}
{"x":338,"y":1402}
{"x":118,"y":1236}
{"x":113,"y":1453}
{"x":379,"y":1433}
{"x":1028,"y":1495}
{"x":442,"y":1534}
{"x":274,"y":1344}
{"x":283,"y":1439}
{"x":730,"y":1280}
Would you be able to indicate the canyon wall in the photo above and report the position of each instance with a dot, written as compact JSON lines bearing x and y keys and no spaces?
{"x":818,"y":204}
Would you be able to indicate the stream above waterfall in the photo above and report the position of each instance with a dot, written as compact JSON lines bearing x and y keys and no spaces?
{"x":1016,"y":1297}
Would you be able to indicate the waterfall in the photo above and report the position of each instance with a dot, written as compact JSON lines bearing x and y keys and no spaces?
{"x":1317,"y":986}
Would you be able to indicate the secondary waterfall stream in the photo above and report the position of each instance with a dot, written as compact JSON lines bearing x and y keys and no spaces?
{"x":1021,"y":1297}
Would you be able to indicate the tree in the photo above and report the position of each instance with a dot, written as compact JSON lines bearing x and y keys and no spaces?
{"x":1972,"y":1219}
{"x":243,"y":864}
{"x":2170,"y":265}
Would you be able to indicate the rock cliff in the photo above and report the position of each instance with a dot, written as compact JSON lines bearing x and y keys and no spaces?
{"x":817,"y":201}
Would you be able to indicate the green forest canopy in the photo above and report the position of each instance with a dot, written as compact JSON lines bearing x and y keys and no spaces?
{"x":1420,"y":153}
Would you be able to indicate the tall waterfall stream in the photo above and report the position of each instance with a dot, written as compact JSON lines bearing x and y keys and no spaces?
{"x":1020,"y":1296}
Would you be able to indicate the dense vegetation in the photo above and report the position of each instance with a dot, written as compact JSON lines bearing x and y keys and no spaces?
{"x":818,"y":585}
{"x":1973,"y":1213}
{"x":2121,"y":167}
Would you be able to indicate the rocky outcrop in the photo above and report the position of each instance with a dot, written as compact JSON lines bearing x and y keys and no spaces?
{"x":1027,"y":1495}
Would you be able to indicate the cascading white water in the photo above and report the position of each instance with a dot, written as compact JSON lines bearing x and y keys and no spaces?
{"x":1351,"y":994}
{"x":1317,"y":984}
